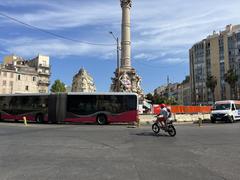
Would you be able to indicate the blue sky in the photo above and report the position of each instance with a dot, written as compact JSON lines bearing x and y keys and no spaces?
{"x":162,"y":33}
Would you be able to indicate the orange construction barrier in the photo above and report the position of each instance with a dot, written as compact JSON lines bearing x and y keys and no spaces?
{"x":184,"y":109}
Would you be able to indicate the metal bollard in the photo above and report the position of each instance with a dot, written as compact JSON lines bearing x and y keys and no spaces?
{"x":199,"y":122}
{"x":25,"y":120}
{"x":138,"y":122}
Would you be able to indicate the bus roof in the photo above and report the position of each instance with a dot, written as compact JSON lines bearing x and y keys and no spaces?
{"x":26,"y":94}
{"x":71,"y":93}
{"x":101,"y":93}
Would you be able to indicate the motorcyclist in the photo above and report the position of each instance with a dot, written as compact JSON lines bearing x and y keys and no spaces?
{"x":163,"y":115}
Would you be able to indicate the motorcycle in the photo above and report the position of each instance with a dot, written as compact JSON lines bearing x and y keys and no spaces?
{"x":170,"y":129}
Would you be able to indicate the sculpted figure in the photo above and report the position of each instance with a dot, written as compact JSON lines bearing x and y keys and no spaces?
{"x":125,"y":3}
{"x":125,"y":82}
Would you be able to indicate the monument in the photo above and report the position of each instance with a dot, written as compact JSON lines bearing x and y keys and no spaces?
{"x":83,"y":82}
{"x":126,"y":78}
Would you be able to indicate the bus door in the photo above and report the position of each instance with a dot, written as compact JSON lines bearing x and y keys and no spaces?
{"x":57,"y":108}
{"x":61,"y":105}
{"x":52,"y":108}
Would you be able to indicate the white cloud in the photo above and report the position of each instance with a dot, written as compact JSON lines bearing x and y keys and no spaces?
{"x":28,"y":47}
{"x":68,"y":14}
{"x":146,"y":57}
{"x":175,"y":60}
{"x":160,"y":29}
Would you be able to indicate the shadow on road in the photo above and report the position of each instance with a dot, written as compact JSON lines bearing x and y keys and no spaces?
{"x":151,"y":134}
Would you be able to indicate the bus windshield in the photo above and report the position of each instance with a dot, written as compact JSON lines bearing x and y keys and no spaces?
{"x":221,"y":106}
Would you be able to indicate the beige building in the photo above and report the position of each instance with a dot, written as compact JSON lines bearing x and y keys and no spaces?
{"x":184,"y":94}
{"x":178,"y":92}
{"x":214,"y":56}
{"x":24,"y":76}
{"x":83,"y":82}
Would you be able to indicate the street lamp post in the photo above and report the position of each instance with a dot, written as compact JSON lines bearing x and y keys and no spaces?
{"x":118,"y":48}
{"x":118,"y":61}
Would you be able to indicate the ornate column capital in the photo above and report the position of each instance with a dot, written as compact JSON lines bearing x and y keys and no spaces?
{"x":126,"y":3}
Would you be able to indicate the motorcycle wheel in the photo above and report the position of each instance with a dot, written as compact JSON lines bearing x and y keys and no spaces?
{"x":171,"y":130}
{"x":155,"y":128}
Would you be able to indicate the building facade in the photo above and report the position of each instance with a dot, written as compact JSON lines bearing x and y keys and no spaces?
{"x":214,"y":56}
{"x":184,"y":94}
{"x":177,"y":92}
{"x":24,"y":76}
{"x":83,"y":82}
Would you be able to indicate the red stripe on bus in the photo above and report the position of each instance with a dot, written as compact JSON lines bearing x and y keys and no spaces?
{"x":130,"y":116}
{"x":82,"y":119}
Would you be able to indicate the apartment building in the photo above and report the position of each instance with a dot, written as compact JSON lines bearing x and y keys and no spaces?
{"x":214,"y":56}
{"x":18,"y":75}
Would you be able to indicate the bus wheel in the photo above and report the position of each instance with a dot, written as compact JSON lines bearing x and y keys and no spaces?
{"x":101,"y":119}
{"x":39,"y":118}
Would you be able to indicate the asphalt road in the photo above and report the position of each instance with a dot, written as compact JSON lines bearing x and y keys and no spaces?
{"x":72,"y":152}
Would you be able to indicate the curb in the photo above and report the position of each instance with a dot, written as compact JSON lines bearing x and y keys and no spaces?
{"x":145,"y":123}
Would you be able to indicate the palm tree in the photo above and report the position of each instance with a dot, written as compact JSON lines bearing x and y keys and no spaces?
{"x":231,"y":78}
{"x":211,"y":83}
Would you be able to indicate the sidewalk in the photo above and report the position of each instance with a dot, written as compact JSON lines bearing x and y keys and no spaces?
{"x":146,"y":119}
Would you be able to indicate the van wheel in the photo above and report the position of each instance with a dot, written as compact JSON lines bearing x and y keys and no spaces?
{"x":101,"y":119}
{"x":231,"y":119}
{"x":39,"y":118}
{"x":213,"y":121}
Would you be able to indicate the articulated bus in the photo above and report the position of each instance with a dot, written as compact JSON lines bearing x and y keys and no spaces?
{"x":70,"y":107}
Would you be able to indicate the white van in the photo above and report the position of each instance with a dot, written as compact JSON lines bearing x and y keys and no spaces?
{"x":228,"y":111}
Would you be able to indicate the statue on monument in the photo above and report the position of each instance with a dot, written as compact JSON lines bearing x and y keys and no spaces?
{"x":125,"y":82}
{"x":126,"y":3}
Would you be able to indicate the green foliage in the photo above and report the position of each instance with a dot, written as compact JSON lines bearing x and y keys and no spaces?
{"x":231,"y":78}
{"x":58,"y":86}
{"x":149,"y":96}
{"x":186,"y":80}
{"x":157,"y":99}
{"x":211,"y":83}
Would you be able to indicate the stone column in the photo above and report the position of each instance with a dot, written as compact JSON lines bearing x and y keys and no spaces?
{"x":126,"y":78}
{"x":126,"y":35}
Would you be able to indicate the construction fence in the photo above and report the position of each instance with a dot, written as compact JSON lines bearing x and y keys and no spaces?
{"x":184,"y":109}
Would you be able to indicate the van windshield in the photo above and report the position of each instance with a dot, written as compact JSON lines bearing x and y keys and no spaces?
{"x":221,"y":106}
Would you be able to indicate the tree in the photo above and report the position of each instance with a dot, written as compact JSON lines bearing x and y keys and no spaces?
{"x":149,"y":96}
{"x":231,"y":78}
{"x":211,"y":83}
{"x":186,"y":80}
{"x":157,"y":99}
{"x":58,"y":86}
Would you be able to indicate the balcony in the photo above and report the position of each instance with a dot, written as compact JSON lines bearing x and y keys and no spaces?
{"x":44,"y":73}
{"x":44,"y":66}
{"x":44,"y":82}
